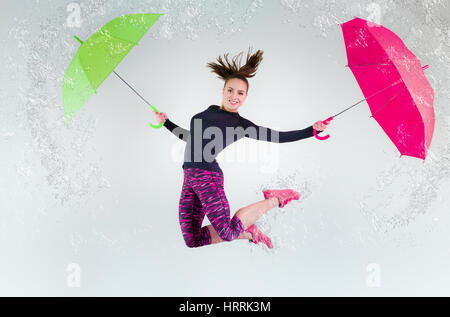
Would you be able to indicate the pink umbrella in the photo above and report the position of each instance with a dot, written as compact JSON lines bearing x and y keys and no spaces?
{"x":393,"y":83}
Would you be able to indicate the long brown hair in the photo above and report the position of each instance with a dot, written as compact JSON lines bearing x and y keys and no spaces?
{"x":227,"y":70}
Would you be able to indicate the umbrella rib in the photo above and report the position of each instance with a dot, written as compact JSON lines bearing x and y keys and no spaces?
{"x":117,"y":38}
{"x":392,"y":98}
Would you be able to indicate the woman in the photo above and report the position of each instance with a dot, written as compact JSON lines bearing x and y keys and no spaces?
{"x":203,"y":190}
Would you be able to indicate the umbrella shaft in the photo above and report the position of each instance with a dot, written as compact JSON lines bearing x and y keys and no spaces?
{"x":349,"y":107}
{"x":375,"y":93}
{"x":134,"y":90}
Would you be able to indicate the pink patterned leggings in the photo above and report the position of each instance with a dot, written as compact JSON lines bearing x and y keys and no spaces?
{"x":203,"y":194}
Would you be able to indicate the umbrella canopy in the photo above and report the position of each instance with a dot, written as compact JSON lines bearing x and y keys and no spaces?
{"x":98,"y":56}
{"x":392,"y":79}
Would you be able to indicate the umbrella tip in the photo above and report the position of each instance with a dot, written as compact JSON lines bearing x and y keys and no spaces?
{"x":78,"y":39}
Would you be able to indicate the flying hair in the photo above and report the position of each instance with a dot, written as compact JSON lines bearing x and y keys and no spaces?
{"x":226,"y":70}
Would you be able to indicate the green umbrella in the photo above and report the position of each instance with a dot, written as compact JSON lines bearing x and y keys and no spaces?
{"x":98,"y":56}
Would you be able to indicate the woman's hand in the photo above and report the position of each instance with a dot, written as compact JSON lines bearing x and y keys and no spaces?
{"x":319,"y":126}
{"x":160,"y":117}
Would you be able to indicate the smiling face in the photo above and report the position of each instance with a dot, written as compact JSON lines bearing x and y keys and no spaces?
{"x":234,"y":94}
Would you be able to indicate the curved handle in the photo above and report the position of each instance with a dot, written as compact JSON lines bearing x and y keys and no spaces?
{"x":326,"y":122}
{"x":156,"y":126}
{"x":152,"y":125}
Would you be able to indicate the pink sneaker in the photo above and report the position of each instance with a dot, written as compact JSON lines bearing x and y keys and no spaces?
{"x":258,"y":236}
{"x":284,"y":195}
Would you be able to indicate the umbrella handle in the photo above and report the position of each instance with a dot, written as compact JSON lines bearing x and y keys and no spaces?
{"x":156,"y":126}
{"x":152,"y":125}
{"x":326,"y":122}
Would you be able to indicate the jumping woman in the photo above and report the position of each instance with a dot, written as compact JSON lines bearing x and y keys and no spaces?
{"x":203,"y":186}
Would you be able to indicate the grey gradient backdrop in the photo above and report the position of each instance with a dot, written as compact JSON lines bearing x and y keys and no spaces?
{"x":103,"y":193}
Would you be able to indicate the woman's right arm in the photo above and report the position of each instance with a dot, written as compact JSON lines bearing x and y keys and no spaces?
{"x":179,"y":132}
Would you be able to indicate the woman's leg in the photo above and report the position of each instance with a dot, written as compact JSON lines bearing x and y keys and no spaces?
{"x":210,"y":189}
{"x":208,"y":185}
{"x":191,"y":214}
{"x":248,"y":216}
{"x":215,"y":238}
{"x":251,"y":213}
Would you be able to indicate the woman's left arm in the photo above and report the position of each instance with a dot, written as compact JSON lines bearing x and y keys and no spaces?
{"x":257,"y":132}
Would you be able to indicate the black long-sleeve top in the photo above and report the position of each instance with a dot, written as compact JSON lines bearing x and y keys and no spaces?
{"x":214,"y":129}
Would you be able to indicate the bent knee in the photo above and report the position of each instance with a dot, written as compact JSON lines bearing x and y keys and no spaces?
{"x":191,"y":243}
